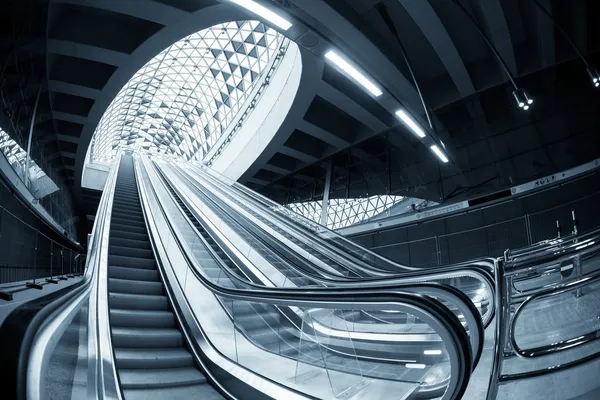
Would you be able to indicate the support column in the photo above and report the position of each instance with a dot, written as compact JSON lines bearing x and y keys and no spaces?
{"x":326,"y":189}
{"x":33,"y":116}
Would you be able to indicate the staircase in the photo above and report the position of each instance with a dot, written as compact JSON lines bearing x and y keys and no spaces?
{"x":150,"y":352}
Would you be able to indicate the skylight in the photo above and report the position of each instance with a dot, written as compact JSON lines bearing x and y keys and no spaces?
{"x":184,"y":99}
{"x":17,"y":157}
{"x":345,"y":212}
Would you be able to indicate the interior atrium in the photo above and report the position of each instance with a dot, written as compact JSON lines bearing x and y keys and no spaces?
{"x":300,"y":199}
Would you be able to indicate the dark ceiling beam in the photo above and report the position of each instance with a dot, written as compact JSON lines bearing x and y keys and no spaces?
{"x":92,"y":53}
{"x":73,"y":89}
{"x":52,"y":156}
{"x":67,"y":138}
{"x":323,"y":135}
{"x":78,"y":119}
{"x":430,"y":24}
{"x":497,"y":29}
{"x":263,"y":182}
{"x":298,"y":155}
{"x":544,"y":33}
{"x":337,"y":28}
{"x":147,"y":10}
{"x":350,"y":107}
{"x":277,"y":170}
{"x":67,"y":154}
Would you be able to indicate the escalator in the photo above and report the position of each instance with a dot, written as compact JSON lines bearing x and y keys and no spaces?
{"x":150,"y":353}
{"x":149,"y":321}
{"x":298,"y":269}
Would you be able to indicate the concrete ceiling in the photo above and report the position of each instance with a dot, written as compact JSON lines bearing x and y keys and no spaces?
{"x":83,"y":52}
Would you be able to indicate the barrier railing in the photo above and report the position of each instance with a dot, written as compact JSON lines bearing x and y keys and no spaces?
{"x":29,"y":259}
{"x":556,"y":286}
{"x":491,"y":240}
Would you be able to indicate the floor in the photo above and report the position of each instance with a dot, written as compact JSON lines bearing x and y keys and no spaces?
{"x":29,"y":294}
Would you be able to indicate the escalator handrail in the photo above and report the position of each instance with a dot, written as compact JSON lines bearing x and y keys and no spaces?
{"x":339,"y":297}
{"x":100,"y":361}
{"x":413,"y":277}
{"x":458,"y":298}
{"x":487,"y":262}
{"x":391,"y":281}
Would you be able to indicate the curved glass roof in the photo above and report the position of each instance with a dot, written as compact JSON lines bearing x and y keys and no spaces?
{"x":182,"y":100}
{"x":345,"y":212}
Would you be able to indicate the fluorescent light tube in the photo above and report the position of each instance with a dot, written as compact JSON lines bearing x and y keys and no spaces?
{"x":265,"y":13}
{"x":353,"y":72}
{"x":439,"y":153}
{"x":417,"y":366}
{"x":432,"y":352}
{"x":410,"y":123}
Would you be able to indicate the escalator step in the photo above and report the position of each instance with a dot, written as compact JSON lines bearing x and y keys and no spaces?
{"x":130,"y":252}
{"x":153,"y":358}
{"x":163,"y":378}
{"x":134,"y":262}
{"x":128,"y":220}
{"x":204,"y":392}
{"x":136,"y":274}
{"x":115,"y":234}
{"x":146,"y":337}
{"x":127,"y":228}
{"x":131,"y":243}
{"x":142,"y":318}
{"x":134,"y":287}
{"x":138,"y":301}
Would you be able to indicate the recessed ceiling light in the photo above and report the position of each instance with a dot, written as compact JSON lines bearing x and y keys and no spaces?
{"x":439,"y":153}
{"x":355,"y":74}
{"x":410,"y":123}
{"x":265,"y":13}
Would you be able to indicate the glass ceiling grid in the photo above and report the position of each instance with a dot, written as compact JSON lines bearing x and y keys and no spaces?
{"x":345,"y":212}
{"x":183,"y":99}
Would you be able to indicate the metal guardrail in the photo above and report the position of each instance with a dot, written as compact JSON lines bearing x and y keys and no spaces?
{"x":550,"y":269}
{"x":29,"y":259}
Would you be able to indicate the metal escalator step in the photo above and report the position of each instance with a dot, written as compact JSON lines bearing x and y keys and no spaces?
{"x":146,"y":337}
{"x":131,"y":243}
{"x":126,"y":205}
{"x":129,"y":221}
{"x":137,"y":274}
{"x":137,"y":301}
{"x":124,"y":227}
{"x":142,"y":318}
{"x":127,"y":214}
{"x":127,"y":198}
{"x":160,"y":378}
{"x":130,"y":251}
{"x":153,"y":358}
{"x":204,"y":392}
{"x":116,"y":234}
{"x":133,"y":262}
{"x":129,"y":286}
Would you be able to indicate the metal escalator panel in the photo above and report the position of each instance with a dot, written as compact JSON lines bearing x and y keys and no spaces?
{"x":472,"y":278}
{"x":151,"y":356}
{"x":318,"y":343}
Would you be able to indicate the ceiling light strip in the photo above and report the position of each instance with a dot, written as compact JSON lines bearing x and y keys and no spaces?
{"x":265,"y":13}
{"x":355,"y":74}
{"x":439,"y":153}
{"x":410,"y":123}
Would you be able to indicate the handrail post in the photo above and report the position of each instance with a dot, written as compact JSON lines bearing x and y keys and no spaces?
{"x":51,"y":279}
{"x":499,"y":335}
{"x":33,"y":284}
{"x":62,"y":264}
